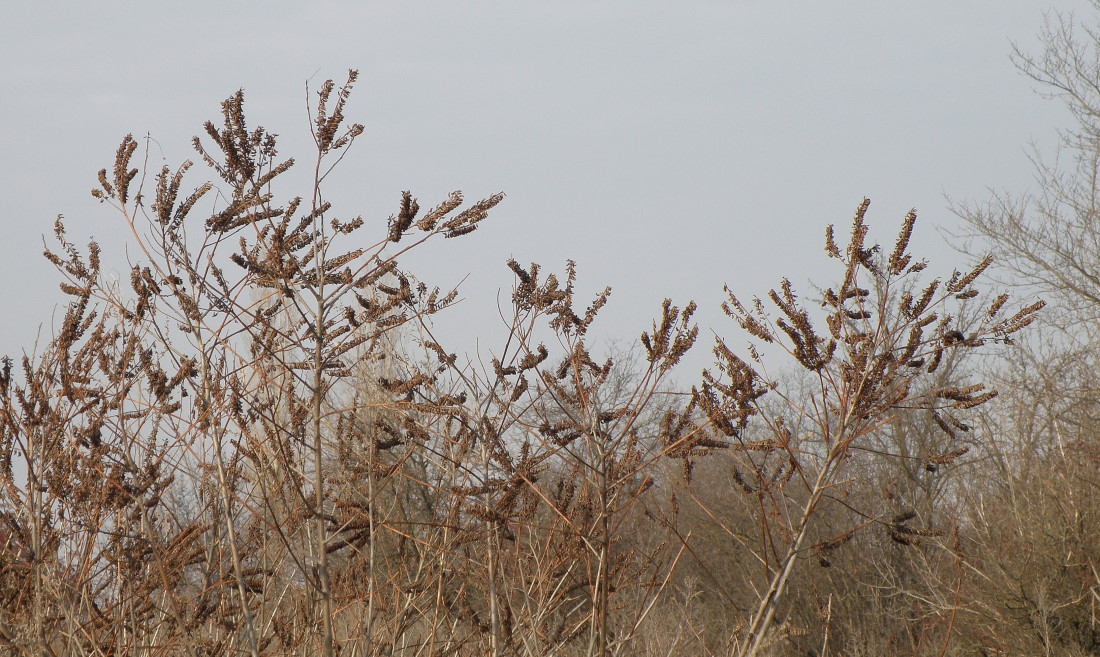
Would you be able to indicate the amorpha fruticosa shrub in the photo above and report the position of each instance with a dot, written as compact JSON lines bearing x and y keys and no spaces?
{"x":258,"y":445}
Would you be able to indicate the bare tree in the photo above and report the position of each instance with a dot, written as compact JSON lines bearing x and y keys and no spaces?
{"x":1033,"y":530}
{"x":1050,"y":239}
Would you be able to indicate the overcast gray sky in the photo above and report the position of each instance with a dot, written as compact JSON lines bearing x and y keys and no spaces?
{"x":667,"y":147}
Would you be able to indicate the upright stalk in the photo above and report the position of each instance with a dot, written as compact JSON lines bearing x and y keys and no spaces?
{"x":491,"y":555}
{"x":765,"y":612}
{"x":319,"y":493}
{"x":603,"y":572}
{"x":35,"y":490}
{"x":318,"y":447}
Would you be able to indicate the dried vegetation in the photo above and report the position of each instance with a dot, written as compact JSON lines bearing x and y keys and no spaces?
{"x":259,"y":446}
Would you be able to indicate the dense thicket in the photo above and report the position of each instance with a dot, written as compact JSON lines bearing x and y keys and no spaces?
{"x":261,"y":446}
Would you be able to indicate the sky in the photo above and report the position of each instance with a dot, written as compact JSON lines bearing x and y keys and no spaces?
{"x":667,"y":148}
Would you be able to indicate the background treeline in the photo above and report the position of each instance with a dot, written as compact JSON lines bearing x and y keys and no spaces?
{"x":258,"y":444}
